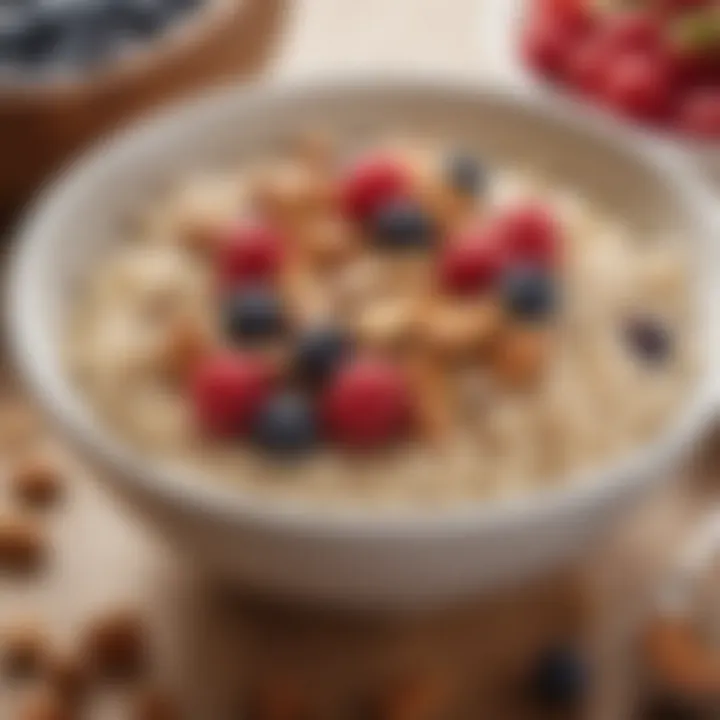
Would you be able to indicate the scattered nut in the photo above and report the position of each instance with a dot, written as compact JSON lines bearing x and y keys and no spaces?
{"x":681,"y":660}
{"x":422,"y":698}
{"x":67,"y":677}
{"x":278,"y":699}
{"x":115,"y":646}
{"x":23,"y":650}
{"x":154,"y":704}
{"x":45,"y":704}
{"x":22,"y":545}
{"x":37,"y":482}
{"x":519,"y":357}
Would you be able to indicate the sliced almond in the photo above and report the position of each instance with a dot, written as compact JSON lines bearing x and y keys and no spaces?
{"x":520,"y":355}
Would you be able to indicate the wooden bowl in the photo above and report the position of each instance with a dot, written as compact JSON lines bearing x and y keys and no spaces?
{"x":43,"y":124}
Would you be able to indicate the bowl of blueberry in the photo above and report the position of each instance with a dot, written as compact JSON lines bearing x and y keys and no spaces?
{"x":654,"y":64}
{"x":72,"y":69}
{"x":373,"y":342}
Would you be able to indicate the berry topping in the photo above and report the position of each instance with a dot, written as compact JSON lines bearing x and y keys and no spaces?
{"x":573,"y":14}
{"x":465,"y":175}
{"x":367,"y":405}
{"x":401,"y":224}
{"x":530,"y":235}
{"x":227,"y":390}
{"x":529,"y":293}
{"x":253,"y":314}
{"x":249,"y":253}
{"x":639,"y":85}
{"x":632,"y":30}
{"x":559,"y":678}
{"x":700,"y":113}
{"x":472,"y":263}
{"x":319,"y":352}
{"x":371,"y":184}
{"x":286,"y":424}
{"x":649,"y":338}
{"x":587,"y":65}
{"x":547,"y":44}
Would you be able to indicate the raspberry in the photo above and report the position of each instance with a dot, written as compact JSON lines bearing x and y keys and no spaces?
{"x":639,"y":85}
{"x":370,"y":184}
{"x":471,"y":263}
{"x":227,"y":390}
{"x":546,"y":45}
{"x":699,"y":113}
{"x":367,"y":405}
{"x":249,"y":252}
{"x":530,"y":234}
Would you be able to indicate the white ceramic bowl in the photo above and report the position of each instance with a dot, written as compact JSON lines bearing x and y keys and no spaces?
{"x":354,"y":557}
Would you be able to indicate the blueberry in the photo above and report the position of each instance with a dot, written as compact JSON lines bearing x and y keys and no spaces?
{"x":141,"y":18}
{"x":529,"y":292}
{"x":286,"y":425}
{"x":402,"y":224}
{"x":559,"y":678}
{"x":649,"y":338}
{"x":34,"y":39}
{"x":465,"y":174}
{"x":253,"y":314}
{"x":319,"y":351}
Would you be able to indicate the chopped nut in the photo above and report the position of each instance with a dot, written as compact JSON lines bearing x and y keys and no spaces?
{"x":434,"y":416}
{"x":22,"y":545}
{"x":115,"y":646}
{"x":154,"y":704}
{"x":328,"y":241}
{"x":37,"y":482}
{"x":186,"y":343}
{"x":289,"y":191}
{"x":67,"y":677}
{"x":24,"y":650}
{"x":520,"y":355}
{"x":458,"y":330}
{"x":45,"y":704}
{"x":389,"y":325}
{"x":680,"y":660}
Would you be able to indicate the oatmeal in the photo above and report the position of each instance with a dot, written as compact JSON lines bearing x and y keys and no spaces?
{"x":399,"y":324}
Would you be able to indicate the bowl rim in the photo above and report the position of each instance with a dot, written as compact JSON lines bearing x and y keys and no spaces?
{"x":192,"y":493}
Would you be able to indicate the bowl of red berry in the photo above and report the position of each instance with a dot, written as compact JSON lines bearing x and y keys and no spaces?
{"x":655,"y":63}
{"x":373,"y":342}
